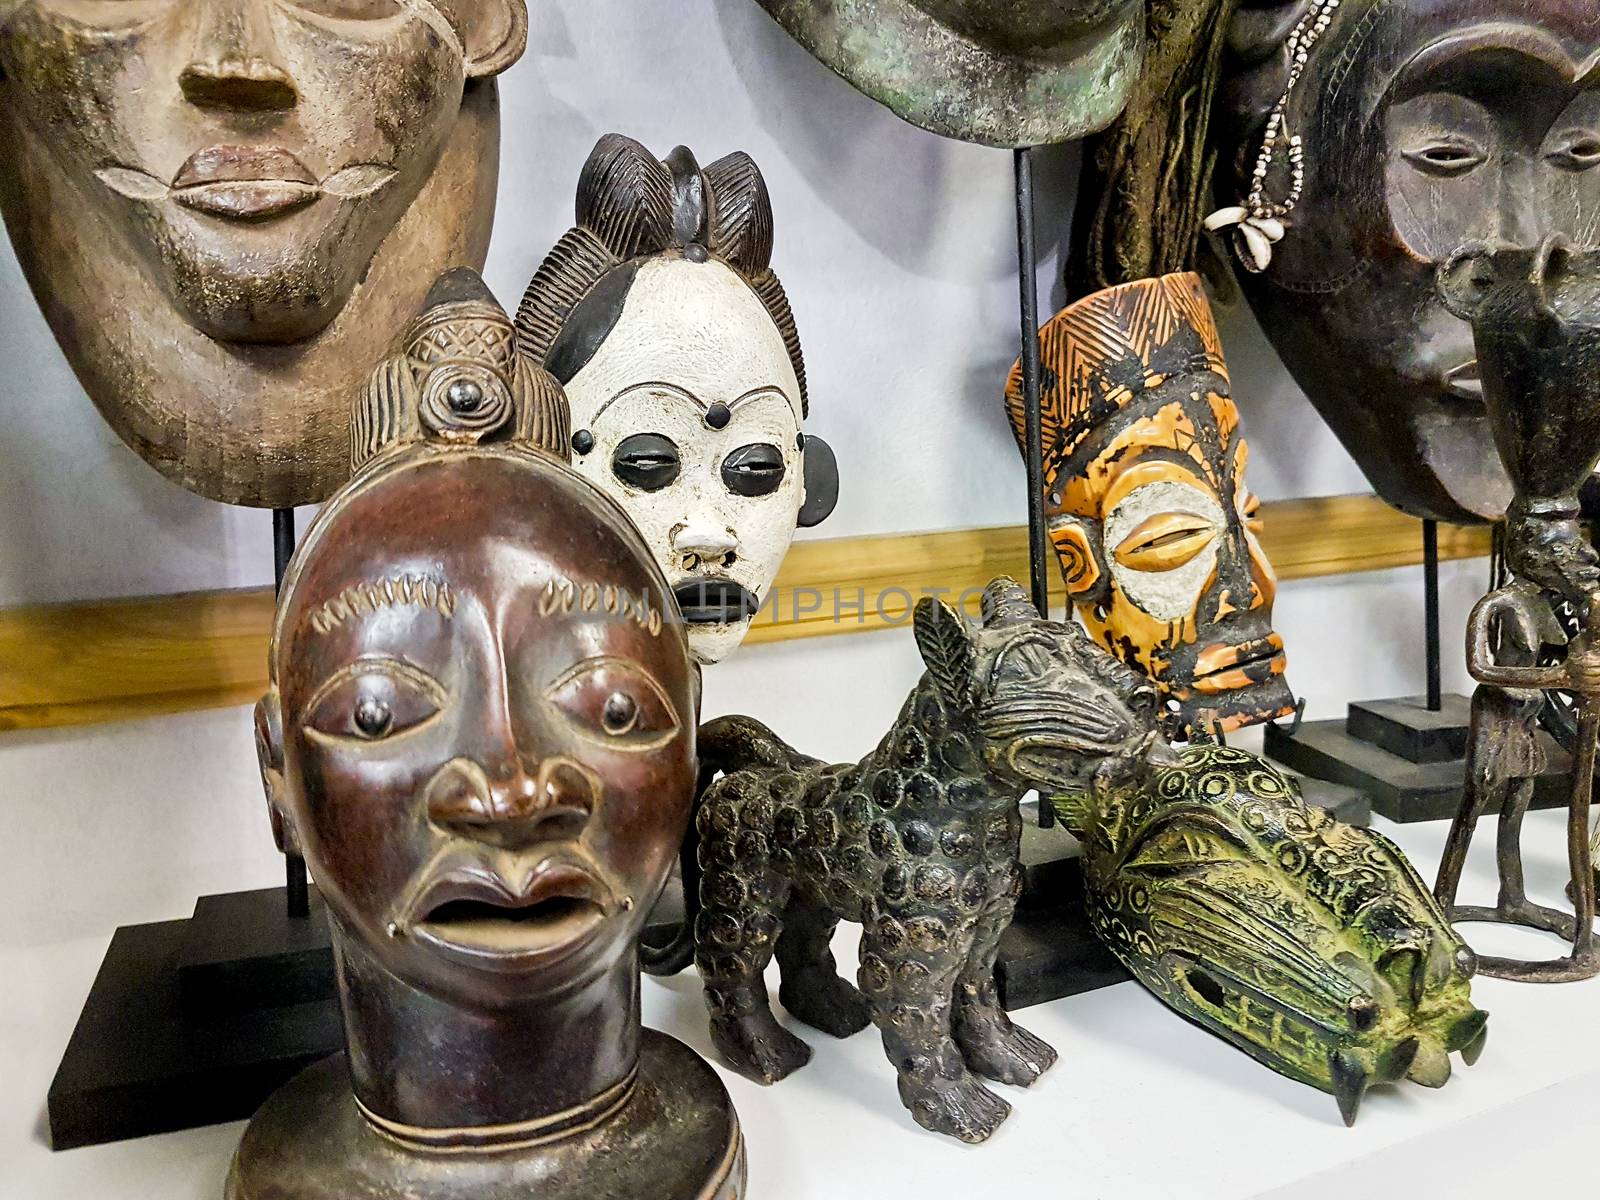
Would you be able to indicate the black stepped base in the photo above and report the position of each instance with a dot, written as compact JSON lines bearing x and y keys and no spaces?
{"x":1401,"y":790}
{"x":1409,"y":729}
{"x":196,"y":1022}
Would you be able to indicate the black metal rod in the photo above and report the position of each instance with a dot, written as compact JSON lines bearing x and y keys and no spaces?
{"x":1033,"y":418}
{"x":297,"y":886}
{"x":1430,"y":615}
{"x":1028,"y":281}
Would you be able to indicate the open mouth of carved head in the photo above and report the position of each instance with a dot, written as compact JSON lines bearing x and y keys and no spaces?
{"x":715,"y":600}
{"x":247,"y":183}
{"x":1229,"y":668}
{"x":476,"y":917}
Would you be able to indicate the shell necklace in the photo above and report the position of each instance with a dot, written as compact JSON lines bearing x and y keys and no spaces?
{"x":1258,"y":224}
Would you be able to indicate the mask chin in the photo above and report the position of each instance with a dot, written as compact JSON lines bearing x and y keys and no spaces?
{"x":710,"y":644}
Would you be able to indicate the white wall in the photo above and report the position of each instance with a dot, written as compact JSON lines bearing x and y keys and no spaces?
{"x":898,"y":251}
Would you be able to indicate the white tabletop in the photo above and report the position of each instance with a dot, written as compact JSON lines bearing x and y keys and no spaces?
{"x":1141,"y":1103}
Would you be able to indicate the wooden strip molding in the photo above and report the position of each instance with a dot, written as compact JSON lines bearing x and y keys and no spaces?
{"x":78,"y":664}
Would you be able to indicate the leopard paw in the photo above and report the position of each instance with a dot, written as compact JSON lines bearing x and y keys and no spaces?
{"x":758,"y":1047}
{"x":1004,"y":1052}
{"x":961,"y":1108}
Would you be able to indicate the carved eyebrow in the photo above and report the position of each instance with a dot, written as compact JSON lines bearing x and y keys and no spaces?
{"x":396,"y":592}
{"x":567,"y":596}
{"x":688,"y":397}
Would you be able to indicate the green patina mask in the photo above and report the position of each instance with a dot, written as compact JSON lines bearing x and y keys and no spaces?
{"x":995,"y":72}
{"x":1311,"y":945}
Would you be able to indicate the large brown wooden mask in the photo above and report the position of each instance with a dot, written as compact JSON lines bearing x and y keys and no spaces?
{"x":229,"y":208}
{"x":1426,"y":125}
{"x":481,"y":728}
{"x":1147,"y":503}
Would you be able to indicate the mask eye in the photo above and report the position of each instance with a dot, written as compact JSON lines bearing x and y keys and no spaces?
{"x":1578,"y":150}
{"x":647,"y":461}
{"x":371,"y":701}
{"x":614,"y":701}
{"x":1166,"y":541}
{"x":755,"y":470}
{"x":1446,"y":156}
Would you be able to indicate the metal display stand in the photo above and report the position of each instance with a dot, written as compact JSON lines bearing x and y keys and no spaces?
{"x":196,"y":1022}
{"x":1050,"y":950}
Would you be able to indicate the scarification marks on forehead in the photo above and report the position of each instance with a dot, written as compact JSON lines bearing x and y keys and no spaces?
{"x":566,"y":596}
{"x":396,"y":592}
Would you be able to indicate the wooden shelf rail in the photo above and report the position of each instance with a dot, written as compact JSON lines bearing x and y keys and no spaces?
{"x":77,"y":664}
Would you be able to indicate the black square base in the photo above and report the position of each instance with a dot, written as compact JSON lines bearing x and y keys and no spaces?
{"x":243,"y":952}
{"x":1401,"y":790}
{"x":171,"y":1037}
{"x":1407,"y":728}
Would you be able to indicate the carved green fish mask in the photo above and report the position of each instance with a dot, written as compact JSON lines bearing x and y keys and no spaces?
{"x":1311,"y":945}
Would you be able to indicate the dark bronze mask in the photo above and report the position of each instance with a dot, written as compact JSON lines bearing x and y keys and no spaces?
{"x":1425,"y":125}
{"x":996,"y":72}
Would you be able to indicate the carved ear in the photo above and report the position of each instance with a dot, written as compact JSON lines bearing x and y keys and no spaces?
{"x":1077,"y":545}
{"x":269,"y":753}
{"x":946,"y":645}
{"x":494,"y":33}
{"x":1464,"y":279}
{"x":822,"y":482}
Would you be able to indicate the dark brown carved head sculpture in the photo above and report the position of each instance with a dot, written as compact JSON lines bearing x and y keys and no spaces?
{"x":1149,"y":512}
{"x":480,"y":733}
{"x":995,"y":72}
{"x":228,"y":208}
{"x":1426,"y":124}
{"x":661,"y":316}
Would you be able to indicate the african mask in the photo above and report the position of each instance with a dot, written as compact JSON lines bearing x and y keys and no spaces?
{"x":1424,"y":126}
{"x":481,"y":734}
{"x":228,"y":208}
{"x":1147,"y":504}
{"x":661,"y":317}
{"x":995,"y":72}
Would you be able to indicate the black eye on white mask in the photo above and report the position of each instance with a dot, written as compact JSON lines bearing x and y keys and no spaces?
{"x":647,"y":461}
{"x":754,"y":470}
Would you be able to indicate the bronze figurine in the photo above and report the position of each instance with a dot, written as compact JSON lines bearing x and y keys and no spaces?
{"x":1420,"y":126}
{"x":481,"y":735}
{"x":661,"y":316}
{"x":1535,"y":315}
{"x":995,"y":72}
{"x":1148,"y":510}
{"x":229,"y":208}
{"x":918,"y":842}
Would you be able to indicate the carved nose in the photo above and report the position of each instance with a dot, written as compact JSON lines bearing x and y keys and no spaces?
{"x":239,"y":85}
{"x":515,"y":807}
{"x":702,"y":545}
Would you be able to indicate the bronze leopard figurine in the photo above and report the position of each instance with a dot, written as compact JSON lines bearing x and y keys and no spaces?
{"x":919,"y":842}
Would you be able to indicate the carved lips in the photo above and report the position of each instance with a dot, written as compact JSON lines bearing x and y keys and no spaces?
{"x":714,"y":600}
{"x":245,"y":182}
{"x":472,"y":913}
{"x":1223,"y":668}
